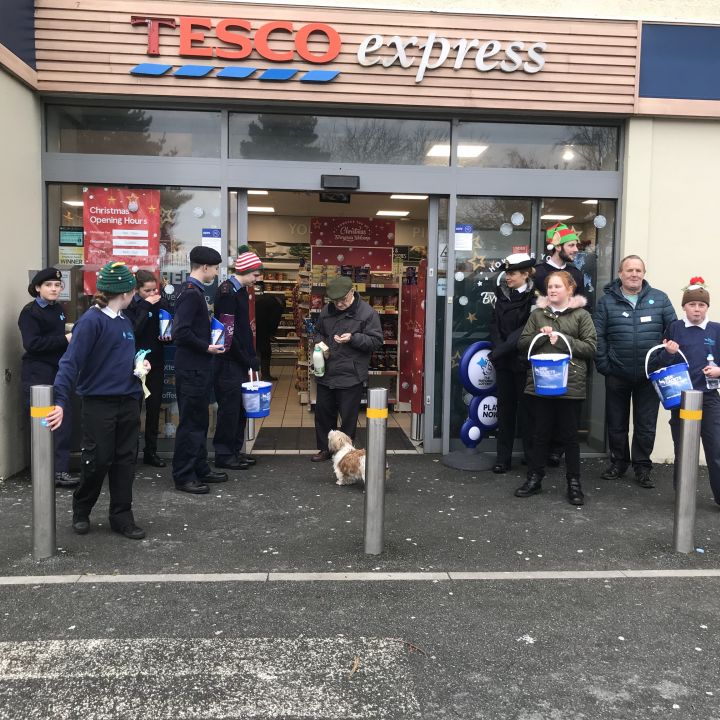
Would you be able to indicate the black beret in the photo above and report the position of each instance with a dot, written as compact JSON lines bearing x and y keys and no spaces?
{"x":201,"y":255}
{"x":42,"y":276}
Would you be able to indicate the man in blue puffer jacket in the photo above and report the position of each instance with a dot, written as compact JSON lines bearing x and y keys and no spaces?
{"x":630,"y":318}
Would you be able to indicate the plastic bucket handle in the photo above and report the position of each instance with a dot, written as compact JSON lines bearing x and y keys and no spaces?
{"x":539,"y":335}
{"x":652,"y":349}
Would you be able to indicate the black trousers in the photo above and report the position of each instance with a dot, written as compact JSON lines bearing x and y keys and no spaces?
{"x":192,"y":388}
{"x":645,"y":403}
{"x":331,"y":402}
{"x":264,"y":350}
{"x":229,"y":437}
{"x":109,"y":446}
{"x":513,"y":412}
{"x":154,"y":382}
{"x":62,"y":437}
{"x":556,"y":421}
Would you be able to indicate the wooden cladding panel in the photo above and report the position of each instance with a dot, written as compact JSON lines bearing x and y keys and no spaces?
{"x":89,"y":46}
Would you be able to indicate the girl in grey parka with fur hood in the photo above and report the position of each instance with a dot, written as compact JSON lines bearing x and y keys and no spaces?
{"x":557,"y":417}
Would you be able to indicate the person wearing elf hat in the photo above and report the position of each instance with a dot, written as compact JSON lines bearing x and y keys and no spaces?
{"x":562,"y":244}
{"x":42,"y":327}
{"x":514,"y":301}
{"x":100,"y":365}
{"x":699,"y":340}
{"x":232,"y":369}
{"x":194,"y":353}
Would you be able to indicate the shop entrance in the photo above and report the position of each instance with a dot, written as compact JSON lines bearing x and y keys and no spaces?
{"x":305,"y":239}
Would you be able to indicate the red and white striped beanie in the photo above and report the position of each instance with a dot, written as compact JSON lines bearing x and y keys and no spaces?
{"x":247,"y":261}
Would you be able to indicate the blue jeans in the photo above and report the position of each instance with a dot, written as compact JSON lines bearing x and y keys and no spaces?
{"x":710,"y":434}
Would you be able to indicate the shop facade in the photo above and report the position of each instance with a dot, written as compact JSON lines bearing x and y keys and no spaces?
{"x":505,"y":124}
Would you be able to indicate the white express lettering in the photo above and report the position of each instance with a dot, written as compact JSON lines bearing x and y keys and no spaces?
{"x":436,"y":51}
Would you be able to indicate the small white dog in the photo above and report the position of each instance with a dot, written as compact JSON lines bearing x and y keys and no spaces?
{"x":348,"y":463}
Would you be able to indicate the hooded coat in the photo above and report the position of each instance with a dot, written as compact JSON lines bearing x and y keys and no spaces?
{"x":511,"y":312}
{"x":577,"y":325}
{"x":626,"y":333}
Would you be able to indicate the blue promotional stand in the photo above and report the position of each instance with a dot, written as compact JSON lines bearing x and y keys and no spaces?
{"x":477,"y":376}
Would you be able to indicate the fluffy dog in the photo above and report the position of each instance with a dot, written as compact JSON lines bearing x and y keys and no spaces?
{"x":348,"y":463}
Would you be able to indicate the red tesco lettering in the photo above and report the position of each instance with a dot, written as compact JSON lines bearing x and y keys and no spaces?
{"x":196,"y":40}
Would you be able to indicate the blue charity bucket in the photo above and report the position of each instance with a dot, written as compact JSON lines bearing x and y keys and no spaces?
{"x":217,"y":332}
{"x":669,"y":382}
{"x":550,"y":370}
{"x":165,"y":323}
{"x":256,"y":396}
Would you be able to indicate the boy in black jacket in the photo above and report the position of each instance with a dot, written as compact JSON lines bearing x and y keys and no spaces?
{"x":42,"y":326}
{"x":193,"y":375}
{"x":231,"y":369}
{"x":143,"y":314}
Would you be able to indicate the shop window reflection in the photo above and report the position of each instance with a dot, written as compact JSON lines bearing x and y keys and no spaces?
{"x":536,"y":147}
{"x":133,"y":131}
{"x":315,"y":138}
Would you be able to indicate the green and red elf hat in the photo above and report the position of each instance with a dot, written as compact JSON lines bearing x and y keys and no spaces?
{"x":559,"y":234}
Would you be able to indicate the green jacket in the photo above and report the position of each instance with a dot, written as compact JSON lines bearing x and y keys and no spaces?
{"x":577,"y":326}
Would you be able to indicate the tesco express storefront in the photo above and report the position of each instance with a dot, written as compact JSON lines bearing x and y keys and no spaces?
{"x":504,"y":123}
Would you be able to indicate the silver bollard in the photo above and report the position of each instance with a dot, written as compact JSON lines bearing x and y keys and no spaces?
{"x":42,"y":468}
{"x":686,"y":470}
{"x":249,"y":429}
{"x":416,"y":427}
{"x":377,"y":413}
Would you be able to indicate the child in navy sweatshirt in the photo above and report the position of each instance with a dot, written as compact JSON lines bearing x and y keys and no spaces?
{"x":699,"y":339}
{"x":100,"y":365}
{"x":42,"y":326}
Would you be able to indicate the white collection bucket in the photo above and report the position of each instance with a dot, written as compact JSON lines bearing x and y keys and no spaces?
{"x":256,"y":396}
{"x":669,"y":382}
{"x":550,"y":371}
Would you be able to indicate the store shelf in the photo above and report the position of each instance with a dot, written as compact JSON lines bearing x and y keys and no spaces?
{"x":384,"y":373}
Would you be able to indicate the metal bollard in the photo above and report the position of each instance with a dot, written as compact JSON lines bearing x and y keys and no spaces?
{"x":416,"y":427}
{"x":42,"y":469}
{"x":249,"y":429}
{"x":686,"y":470}
{"x":377,"y":414}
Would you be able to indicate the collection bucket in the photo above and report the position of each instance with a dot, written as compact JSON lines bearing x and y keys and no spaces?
{"x":256,"y":397}
{"x":217,"y":332}
{"x":550,"y":371}
{"x":165,"y":323}
{"x":669,"y":382}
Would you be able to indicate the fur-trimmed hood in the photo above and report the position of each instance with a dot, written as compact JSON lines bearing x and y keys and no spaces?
{"x":576,"y":301}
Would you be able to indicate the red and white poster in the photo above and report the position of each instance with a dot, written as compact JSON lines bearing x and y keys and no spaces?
{"x":123,"y":225}
{"x":352,"y":241}
{"x":412,"y":349}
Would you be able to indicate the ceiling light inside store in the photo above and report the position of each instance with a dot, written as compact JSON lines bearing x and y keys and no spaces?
{"x":408,"y":197}
{"x":559,"y":218}
{"x":393,"y":213}
{"x":589,"y":202}
{"x":73,"y":203}
{"x":463,"y":151}
{"x":257,"y":192}
{"x":261,"y":209}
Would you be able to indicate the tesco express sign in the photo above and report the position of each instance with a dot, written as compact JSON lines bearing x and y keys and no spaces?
{"x":235,"y":39}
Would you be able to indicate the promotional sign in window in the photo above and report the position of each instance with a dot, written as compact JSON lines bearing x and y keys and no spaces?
{"x":352,"y":241}
{"x":120,"y":224}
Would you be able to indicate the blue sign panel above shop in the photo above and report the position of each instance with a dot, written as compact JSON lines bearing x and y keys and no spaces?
{"x":680,"y":61}
{"x":17,"y":29}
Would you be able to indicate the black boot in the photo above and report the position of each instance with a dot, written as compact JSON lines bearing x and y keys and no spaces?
{"x":574,"y":492}
{"x":531,"y":486}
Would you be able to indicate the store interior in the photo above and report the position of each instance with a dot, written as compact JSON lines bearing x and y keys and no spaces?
{"x":304,"y":238}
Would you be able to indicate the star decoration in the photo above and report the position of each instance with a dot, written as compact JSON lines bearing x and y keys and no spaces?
{"x":68,"y":216}
{"x":131,"y":198}
{"x":471,"y":317}
{"x":455,"y":360}
{"x":151,"y":208}
{"x":477,"y":262}
{"x":112,"y":200}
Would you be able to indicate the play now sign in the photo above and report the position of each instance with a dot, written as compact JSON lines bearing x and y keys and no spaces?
{"x":164,"y":679}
